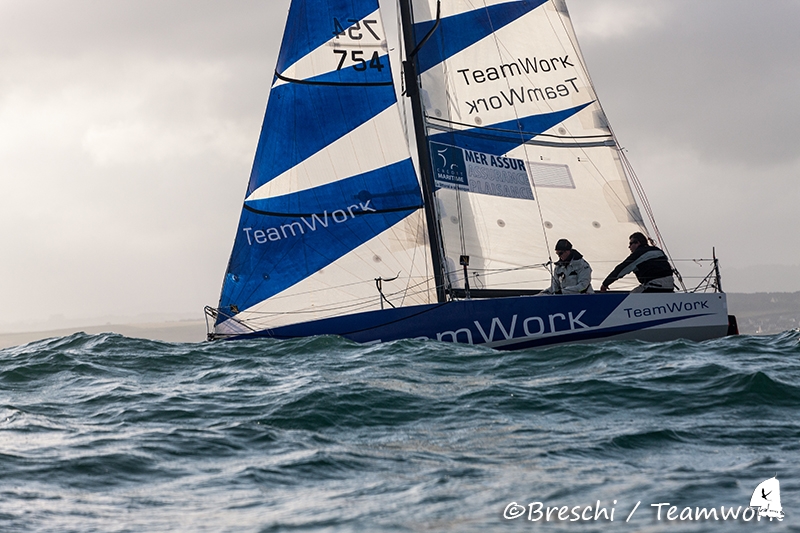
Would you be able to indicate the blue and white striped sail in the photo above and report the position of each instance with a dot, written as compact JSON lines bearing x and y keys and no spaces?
{"x":521,"y":151}
{"x":333,"y":201}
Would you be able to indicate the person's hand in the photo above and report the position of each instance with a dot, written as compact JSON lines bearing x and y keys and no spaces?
{"x":604,"y":288}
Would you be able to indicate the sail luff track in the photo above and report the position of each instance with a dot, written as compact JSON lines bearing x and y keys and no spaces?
{"x":411,"y":73}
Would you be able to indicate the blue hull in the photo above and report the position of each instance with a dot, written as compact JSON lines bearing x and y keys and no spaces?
{"x":530,"y":321}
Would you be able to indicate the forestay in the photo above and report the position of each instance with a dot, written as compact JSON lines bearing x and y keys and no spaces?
{"x":521,"y":151}
{"x":333,"y":203}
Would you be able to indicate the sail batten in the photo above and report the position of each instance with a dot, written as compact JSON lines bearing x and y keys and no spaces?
{"x":502,"y":137}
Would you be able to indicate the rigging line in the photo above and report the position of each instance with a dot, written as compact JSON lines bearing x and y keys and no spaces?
{"x":492,"y":271}
{"x":502,"y":130}
{"x":430,"y":33}
{"x":404,"y":116}
{"x":632,"y":187}
{"x":338,"y":287}
{"x":572,"y":38}
{"x":412,"y":77}
{"x":365,"y":303}
{"x":379,"y":286}
{"x":651,"y":216}
{"x":526,"y":76}
{"x":519,"y":131}
{"x":325,"y":214}
{"x":267,"y":320}
{"x":420,"y":231}
{"x":420,"y":284}
{"x":362,"y":302}
{"x":356,"y":303}
{"x":242,"y":322}
{"x":533,"y":271}
{"x":645,"y":200}
{"x":395,"y":294}
{"x":413,"y":263}
{"x":449,"y":278}
{"x":322,"y":311}
{"x":460,"y":212}
{"x":394,"y":229}
{"x":413,"y":258}
{"x":427,"y":260}
{"x":476,"y":133}
{"x":631,"y":178}
{"x":316,"y":291}
{"x":613,"y":140}
{"x":456,"y":191}
{"x":334,"y":83}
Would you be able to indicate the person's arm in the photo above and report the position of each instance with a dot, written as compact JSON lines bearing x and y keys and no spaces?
{"x":550,"y":290}
{"x":585,"y":278}
{"x":554,"y":286}
{"x":622,"y":269}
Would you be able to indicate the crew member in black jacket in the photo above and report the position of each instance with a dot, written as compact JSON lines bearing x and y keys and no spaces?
{"x":650,"y":265}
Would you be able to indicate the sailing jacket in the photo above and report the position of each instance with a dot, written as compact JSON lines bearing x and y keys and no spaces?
{"x":573,"y":276}
{"x":649,"y":264}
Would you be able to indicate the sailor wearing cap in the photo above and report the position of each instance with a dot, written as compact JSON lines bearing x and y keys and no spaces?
{"x":572,"y":274}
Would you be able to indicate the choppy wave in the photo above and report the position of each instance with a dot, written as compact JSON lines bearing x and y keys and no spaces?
{"x":108,"y":433}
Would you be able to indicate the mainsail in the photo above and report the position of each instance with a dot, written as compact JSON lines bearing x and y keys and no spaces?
{"x":333,"y":202}
{"x":521,"y":149}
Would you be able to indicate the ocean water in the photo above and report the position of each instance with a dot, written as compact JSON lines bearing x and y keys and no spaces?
{"x":113,"y":434}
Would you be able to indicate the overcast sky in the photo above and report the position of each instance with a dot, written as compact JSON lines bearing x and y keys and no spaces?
{"x":128,"y":128}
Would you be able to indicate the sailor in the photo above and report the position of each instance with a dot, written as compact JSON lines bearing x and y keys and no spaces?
{"x":650,"y":265}
{"x":572,"y":274}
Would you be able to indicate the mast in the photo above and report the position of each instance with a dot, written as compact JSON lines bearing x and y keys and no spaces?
{"x":418,"y":114}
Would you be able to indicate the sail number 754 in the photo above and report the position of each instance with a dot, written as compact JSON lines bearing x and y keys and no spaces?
{"x":360,"y":63}
{"x":354,"y":32}
{"x":358,"y":30}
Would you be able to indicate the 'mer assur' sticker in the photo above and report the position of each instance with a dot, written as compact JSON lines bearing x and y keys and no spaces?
{"x":479,"y":172}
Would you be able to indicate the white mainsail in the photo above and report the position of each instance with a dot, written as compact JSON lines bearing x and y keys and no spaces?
{"x":507,"y":80}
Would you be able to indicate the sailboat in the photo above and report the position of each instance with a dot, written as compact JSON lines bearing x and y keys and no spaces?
{"x":411,"y":184}
{"x":767,"y":499}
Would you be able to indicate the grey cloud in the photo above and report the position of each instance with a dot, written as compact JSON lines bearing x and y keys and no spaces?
{"x":718,"y":77}
{"x":189,"y":28}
